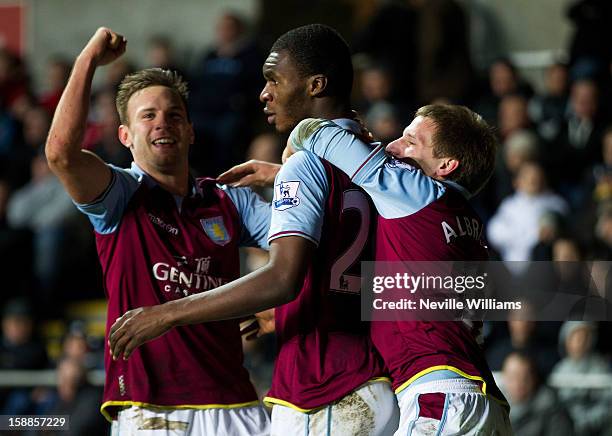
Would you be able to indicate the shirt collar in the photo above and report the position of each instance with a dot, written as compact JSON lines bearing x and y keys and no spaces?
{"x":458,"y":187}
{"x":150,"y":182}
{"x":348,"y":124}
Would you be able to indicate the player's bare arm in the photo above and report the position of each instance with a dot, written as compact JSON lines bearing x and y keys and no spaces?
{"x":84,"y":175}
{"x":251,"y":173}
{"x":275,"y":284}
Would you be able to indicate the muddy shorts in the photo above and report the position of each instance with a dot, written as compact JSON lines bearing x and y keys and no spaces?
{"x":240,"y":421}
{"x":369,"y":410}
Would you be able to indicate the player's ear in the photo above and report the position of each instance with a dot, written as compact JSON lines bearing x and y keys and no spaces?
{"x":447,"y":166}
{"x":317,"y":84}
{"x":124,"y":135}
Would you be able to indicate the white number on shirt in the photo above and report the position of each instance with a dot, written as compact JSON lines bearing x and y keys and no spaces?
{"x":339,"y":280}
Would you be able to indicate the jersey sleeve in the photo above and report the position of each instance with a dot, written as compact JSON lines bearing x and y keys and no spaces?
{"x":254,"y":215}
{"x":106,"y":211}
{"x":339,"y":146}
{"x":397,"y":189}
{"x":300,"y":192}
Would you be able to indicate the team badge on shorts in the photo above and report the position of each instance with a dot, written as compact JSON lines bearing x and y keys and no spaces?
{"x":285,"y":195}
{"x":215,"y":230}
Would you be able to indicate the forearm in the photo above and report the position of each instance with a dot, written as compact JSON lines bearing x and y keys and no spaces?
{"x":260,"y":290}
{"x":68,"y":126}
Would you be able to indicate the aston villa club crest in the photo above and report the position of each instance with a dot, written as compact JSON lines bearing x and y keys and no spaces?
{"x":215,"y":230}
{"x":285,"y":195}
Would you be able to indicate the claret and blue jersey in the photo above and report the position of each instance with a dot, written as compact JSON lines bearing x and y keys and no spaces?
{"x":155,"y":247}
{"x":419,"y":219}
{"x":324,"y":349}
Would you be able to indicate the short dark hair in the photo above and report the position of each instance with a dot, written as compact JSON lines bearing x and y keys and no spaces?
{"x":319,"y":49}
{"x":142,"y":79}
{"x":463,"y":135}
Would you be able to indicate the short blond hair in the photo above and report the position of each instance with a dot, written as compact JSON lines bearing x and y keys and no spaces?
{"x":464,"y":135}
{"x":139,"y":80}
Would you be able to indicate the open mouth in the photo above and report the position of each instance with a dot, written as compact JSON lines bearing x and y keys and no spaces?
{"x":164,"y":142}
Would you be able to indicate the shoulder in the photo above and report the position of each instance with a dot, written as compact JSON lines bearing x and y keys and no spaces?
{"x":303,"y":165}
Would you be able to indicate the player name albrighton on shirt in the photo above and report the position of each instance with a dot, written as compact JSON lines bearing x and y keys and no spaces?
{"x":446,"y":304}
{"x":34,"y":422}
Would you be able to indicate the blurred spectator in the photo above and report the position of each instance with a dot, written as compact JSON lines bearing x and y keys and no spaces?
{"x":444,"y":67}
{"x":589,"y":48}
{"x":383,"y":121}
{"x":101,"y":136}
{"x":566,"y":250}
{"x":78,"y":399}
{"x":513,"y":115}
{"x":517,"y":148}
{"x":77,"y":345}
{"x":595,"y":194}
{"x":115,"y":72}
{"x":548,"y":109}
{"x":160,"y":53}
{"x":34,"y":127}
{"x":44,"y":208}
{"x":36,"y":124}
{"x":599,"y":184}
{"x":513,"y":229}
{"x":527,"y":337}
{"x":13,"y":78}
{"x":390,"y":38}
{"x":579,"y":140}
{"x":588,"y":407}
{"x":550,"y":226}
{"x":266,"y":147}
{"x":534,"y":408}
{"x":375,"y":84}
{"x":224,"y":97}
{"x":602,"y":245}
{"x":20,"y":348}
{"x":57,"y":73}
{"x":15,"y":246}
{"x":503,"y":79}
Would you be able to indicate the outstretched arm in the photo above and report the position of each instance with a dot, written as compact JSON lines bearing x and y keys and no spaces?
{"x":251,"y":173}
{"x":84,"y":175}
{"x":275,"y":284}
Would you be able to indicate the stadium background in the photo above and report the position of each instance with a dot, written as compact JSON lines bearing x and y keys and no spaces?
{"x":540,"y":71}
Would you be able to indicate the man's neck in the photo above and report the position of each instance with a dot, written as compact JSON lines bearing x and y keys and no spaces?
{"x":330,"y":109}
{"x":177,"y":185}
{"x":176,"y":182}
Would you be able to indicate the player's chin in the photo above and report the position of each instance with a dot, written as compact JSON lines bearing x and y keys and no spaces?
{"x":284,"y":125}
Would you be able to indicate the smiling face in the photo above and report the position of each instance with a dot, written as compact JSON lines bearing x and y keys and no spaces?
{"x":158,"y":131}
{"x":417,"y":146}
{"x":286,"y":92}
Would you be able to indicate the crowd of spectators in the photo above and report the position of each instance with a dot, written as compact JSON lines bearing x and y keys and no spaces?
{"x":550,"y":197}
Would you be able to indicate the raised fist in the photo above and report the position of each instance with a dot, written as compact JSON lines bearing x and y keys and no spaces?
{"x":104,"y":46}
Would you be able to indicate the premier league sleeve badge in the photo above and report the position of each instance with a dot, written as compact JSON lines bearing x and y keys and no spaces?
{"x":285,"y":195}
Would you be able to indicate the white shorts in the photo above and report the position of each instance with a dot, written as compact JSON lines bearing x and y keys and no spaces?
{"x":450,"y":407}
{"x":240,"y":421}
{"x":369,"y":410}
